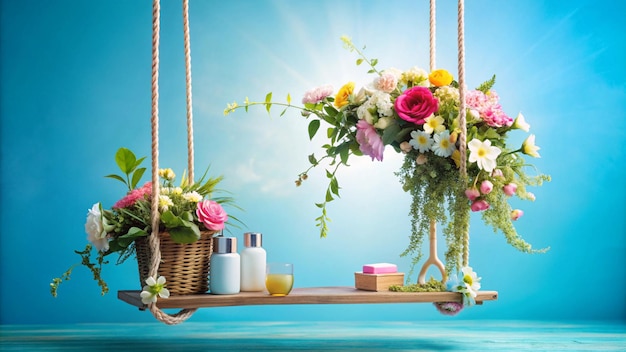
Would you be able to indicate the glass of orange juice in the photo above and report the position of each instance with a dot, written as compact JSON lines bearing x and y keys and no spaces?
{"x":279,"y":278}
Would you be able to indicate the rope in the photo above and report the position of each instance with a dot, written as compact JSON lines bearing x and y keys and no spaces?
{"x":462,"y":118}
{"x":153,"y":239}
{"x":190,"y":161}
{"x":433,"y":33}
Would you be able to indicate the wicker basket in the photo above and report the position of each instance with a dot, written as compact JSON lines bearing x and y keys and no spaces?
{"x":184,"y":266}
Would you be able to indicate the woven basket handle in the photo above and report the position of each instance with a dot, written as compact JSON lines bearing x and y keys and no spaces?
{"x":153,"y":239}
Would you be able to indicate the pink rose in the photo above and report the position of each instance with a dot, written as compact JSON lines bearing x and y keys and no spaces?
{"x":416,"y":104}
{"x":510,"y":189}
{"x":472,"y":193}
{"x":486,"y":187}
{"x":480,"y":205}
{"x":211,"y":214}
{"x":369,"y":141}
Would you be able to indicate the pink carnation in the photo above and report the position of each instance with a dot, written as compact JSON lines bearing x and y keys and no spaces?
{"x":133,"y":196}
{"x":387,"y":82}
{"x":488,"y":108}
{"x":211,"y":214}
{"x":369,"y":141}
{"x":316,"y":95}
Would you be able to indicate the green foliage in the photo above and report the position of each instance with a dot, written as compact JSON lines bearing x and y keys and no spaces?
{"x":486,"y":86}
{"x":126,"y":223}
{"x":432,"y":285}
{"x":129,"y":165}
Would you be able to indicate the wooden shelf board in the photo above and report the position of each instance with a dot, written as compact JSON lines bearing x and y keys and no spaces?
{"x":311,"y":295}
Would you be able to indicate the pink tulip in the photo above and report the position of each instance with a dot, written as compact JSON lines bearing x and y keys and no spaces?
{"x":472,"y":193}
{"x":486,"y":187}
{"x":516,"y":214}
{"x":480,"y":205}
{"x":510,"y":189}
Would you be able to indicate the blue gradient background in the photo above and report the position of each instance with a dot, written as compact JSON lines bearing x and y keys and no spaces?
{"x":75,"y":86}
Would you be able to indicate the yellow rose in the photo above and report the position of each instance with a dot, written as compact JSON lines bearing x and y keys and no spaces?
{"x":341,"y":99}
{"x":440,"y":78}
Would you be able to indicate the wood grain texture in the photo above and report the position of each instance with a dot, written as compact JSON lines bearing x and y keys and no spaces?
{"x":312,"y":295}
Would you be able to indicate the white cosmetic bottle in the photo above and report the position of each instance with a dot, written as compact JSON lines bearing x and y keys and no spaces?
{"x":253,"y":259}
{"x":225,"y":267}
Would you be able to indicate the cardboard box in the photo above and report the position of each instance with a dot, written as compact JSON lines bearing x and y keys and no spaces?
{"x":377,"y":282}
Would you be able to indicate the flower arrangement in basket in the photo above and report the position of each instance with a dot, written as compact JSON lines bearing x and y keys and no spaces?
{"x":417,"y":113}
{"x":190,"y":216}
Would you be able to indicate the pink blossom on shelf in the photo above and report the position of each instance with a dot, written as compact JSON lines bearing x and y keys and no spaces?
{"x":509,"y":189}
{"x":369,"y":141}
{"x":479,"y":205}
{"x":472,"y":193}
{"x":486,"y":187}
{"x":448,"y":308}
{"x":133,"y":196}
{"x":318,"y":94}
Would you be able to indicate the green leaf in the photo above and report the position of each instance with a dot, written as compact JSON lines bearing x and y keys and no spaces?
{"x":344,"y":152}
{"x":169,"y":219}
{"x":138,"y":162}
{"x":314,"y":125}
{"x":334,"y":186}
{"x":125,"y":160}
{"x":332,"y":112}
{"x":329,"y":197}
{"x":319,"y":205}
{"x":137,"y":176}
{"x":268,"y":102}
{"x":329,"y":175}
{"x":374,"y":62}
{"x":185,"y":234}
{"x":312,"y":159}
{"x":288,"y":99}
{"x":371,"y":71}
{"x":359,"y":61}
{"x":390,"y":133}
{"x":116,"y":177}
{"x":330,"y":132}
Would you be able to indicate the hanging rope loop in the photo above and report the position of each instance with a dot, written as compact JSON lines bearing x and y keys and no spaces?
{"x":462,"y":118}
{"x":154,"y":241}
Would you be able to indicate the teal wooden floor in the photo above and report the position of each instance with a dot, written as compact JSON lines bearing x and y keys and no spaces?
{"x":319,"y":336}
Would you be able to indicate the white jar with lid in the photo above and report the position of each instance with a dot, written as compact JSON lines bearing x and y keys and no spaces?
{"x":253,"y":259}
{"x":225,"y":267}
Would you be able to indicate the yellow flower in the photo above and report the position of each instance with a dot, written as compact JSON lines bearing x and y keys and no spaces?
{"x":341,"y":99}
{"x":167,"y":174}
{"x":456,"y":156}
{"x":434,"y":124}
{"x":440,"y":78}
{"x":529,"y":147}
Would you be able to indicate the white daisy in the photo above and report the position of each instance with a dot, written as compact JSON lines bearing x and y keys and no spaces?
{"x":443,"y":146}
{"x":421,"y":141}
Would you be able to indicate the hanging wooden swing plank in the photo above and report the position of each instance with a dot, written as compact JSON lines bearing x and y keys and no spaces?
{"x":311,"y":295}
